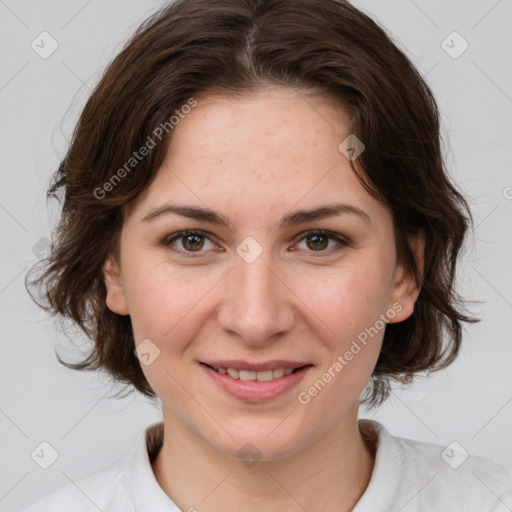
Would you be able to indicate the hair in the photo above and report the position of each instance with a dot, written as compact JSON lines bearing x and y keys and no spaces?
{"x":233,"y":47}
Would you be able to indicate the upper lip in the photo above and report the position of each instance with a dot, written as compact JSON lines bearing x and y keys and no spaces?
{"x":239,"y":364}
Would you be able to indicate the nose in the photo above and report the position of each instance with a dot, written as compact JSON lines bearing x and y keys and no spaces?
{"x":257,"y":305}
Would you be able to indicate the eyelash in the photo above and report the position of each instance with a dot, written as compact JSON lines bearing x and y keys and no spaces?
{"x":194,"y":254}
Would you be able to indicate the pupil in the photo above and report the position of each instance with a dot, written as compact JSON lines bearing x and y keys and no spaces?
{"x":315,"y":244}
{"x":187,"y":239}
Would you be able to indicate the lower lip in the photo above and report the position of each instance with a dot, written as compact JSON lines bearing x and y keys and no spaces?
{"x":255,"y":391}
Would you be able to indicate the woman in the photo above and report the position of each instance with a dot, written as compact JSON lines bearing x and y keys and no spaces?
{"x":258,"y":229}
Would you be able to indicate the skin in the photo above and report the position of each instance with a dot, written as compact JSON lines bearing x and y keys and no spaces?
{"x":255,"y":158}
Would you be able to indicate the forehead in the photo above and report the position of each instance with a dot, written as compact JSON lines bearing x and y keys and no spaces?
{"x":259,"y":152}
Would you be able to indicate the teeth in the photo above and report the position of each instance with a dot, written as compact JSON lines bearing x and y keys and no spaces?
{"x":247,"y":375}
{"x":263,"y":376}
{"x":279,"y":372}
{"x":233,"y":373}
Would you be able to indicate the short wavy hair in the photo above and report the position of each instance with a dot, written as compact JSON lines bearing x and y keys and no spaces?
{"x":234,"y":47}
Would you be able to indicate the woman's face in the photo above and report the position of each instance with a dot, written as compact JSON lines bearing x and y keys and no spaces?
{"x":261,"y":290}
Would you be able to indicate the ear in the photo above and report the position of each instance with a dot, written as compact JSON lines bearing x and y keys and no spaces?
{"x":405,"y":291}
{"x":115,"y":300}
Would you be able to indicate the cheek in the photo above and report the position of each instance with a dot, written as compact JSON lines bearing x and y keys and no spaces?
{"x":163,"y":304}
{"x":346,"y":318}
{"x":346,"y":301}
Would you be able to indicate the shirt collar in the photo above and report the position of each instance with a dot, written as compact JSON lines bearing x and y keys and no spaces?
{"x":385,"y":489}
{"x":147,"y":494}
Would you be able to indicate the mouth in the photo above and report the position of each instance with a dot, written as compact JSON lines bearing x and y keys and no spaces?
{"x":255,"y":382}
{"x":256,"y":375}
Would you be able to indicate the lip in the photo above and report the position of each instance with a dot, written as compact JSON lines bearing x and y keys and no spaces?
{"x":254,"y":391}
{"x":240,"y":364}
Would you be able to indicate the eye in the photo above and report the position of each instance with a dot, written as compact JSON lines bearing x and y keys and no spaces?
{"x":319,"y":240}
{"x":193,"y":241}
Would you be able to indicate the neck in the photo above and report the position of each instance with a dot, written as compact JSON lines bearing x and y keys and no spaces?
{"x":329,"y":474}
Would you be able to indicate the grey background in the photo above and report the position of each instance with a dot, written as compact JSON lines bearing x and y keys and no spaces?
{"x":40,"y":99}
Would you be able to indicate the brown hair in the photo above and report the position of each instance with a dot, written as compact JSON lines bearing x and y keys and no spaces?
{"x":236,"y":46}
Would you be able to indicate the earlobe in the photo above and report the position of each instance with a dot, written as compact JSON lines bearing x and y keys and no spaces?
{"x":115,"y":299}
{"x":405,"y":289}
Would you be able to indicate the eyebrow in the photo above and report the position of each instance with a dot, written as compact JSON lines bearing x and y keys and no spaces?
{"x":291,"y":219}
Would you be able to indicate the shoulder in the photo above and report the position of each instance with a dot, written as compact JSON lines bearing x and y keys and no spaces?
{"x":448,"y":476}
{"x":126,"y":485}
{"x":414,"y":476}
{"x":105,"y":490}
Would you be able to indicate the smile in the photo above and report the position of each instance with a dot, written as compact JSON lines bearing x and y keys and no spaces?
{"x":255,"y":386}
{"x":263,"y":376}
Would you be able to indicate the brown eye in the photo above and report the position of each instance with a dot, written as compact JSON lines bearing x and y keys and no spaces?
{"x":191,"y":241}
{"x":194,"y":241}
{"x":318,"y":241}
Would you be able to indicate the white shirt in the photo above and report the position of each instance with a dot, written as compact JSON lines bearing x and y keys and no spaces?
{"x":408,"y":476}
